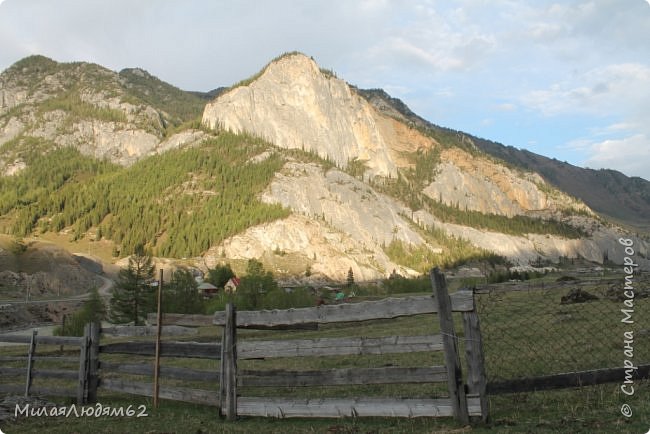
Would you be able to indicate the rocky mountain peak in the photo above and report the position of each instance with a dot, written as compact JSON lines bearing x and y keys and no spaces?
{"x":295,"y":104}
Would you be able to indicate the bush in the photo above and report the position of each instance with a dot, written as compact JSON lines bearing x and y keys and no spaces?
{"x":277,"y":298}
{"x":400,"y":285}
{"x":93,"y":310}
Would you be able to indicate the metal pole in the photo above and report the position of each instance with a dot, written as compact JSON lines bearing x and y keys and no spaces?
{"x":156,"y":372}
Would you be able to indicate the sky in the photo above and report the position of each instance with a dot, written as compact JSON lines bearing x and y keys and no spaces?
{"x":567,"y":79}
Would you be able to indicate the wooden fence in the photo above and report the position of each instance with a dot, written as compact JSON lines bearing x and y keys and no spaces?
{"x":466,"y":398}
{"x":84,"y":375}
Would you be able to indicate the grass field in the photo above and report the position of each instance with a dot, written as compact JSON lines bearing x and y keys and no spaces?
{"x":525,"y":332}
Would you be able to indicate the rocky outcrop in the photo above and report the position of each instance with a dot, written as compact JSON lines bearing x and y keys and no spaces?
{"x":329,"y":253}
{"x":344,"y":202}
{"x":478,"y":184}
{"x":603,"y":242}
{"x":294,"y":105}
{"x":87,"y":107}
{"x":41,"y":269}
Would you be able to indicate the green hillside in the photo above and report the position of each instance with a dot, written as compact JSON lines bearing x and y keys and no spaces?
{"x":190,"y":199}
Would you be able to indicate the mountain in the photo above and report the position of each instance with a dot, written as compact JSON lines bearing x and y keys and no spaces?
{"x":610,"y":193}
{"x":120,"y":117}
{"x":292,"y":166}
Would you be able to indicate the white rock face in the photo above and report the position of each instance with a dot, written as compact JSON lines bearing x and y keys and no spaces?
{"x":475,"y":192}
{"x":478,"y":184}
{"x":184,"y":138}
{"x":338,"y":220}
{"x":295,"y":106}
{"x":525,"y":249}
{"x":345,"y":203}
{"x":329,"y":252}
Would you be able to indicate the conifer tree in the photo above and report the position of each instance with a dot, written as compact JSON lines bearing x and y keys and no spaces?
{"x":133,"y":296}
{"x":181,"y":294}
{"x":220,"y":275}
{"x":350,"y":279}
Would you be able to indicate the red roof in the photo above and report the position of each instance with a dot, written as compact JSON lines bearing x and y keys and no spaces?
{"x":235,"y":281}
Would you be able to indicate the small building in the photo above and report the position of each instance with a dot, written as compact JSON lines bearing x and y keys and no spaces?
{"x":232,"y":284}
{"x":206,"y":289}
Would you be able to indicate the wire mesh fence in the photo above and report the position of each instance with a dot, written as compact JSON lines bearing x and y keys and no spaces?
{"x":563,"y":325}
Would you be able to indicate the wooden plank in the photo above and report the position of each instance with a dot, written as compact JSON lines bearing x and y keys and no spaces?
{"x":347,"y":312}
{"x":156,"y":371}
{"x":41,"y":340}
{"x":165,"y":371}
{"x":167,"y":349}
{"x":450,"y":342}
{"x":37,"y":357}
{"x":341,"y":377}
{"x":55,"y":373}
{"x":30,"y":362}
{"x":331,"y":407}
{"x":93,"y":361}
{"x":566,"y":380}
{"x":187,"y":320}
{"x":476,"y":379}
{"x":167,"y":330}
{"x":176,"y":319}
{"x":11,"y":371}
{"x":37,"y":390}
{"x":82,"y":379}
{"x":338,"y":346}
{"x":474,"y":406}
{"x":228,"y":380}
{"x":184,"y":394}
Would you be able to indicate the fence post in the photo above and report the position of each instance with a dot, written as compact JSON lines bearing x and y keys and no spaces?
{"x":228,"y":377}
{"x":82,"y":385}
{"x":30,"y":362}
{"x":93,"y":361}
{"x":450,"y":344}
{"x":476,"y":379}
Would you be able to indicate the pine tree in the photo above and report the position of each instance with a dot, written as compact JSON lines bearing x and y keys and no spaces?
{"x":133,"y":296}
{"x":181,"y":295}
{"x":219,"y":275}
{"x":350,"y":278}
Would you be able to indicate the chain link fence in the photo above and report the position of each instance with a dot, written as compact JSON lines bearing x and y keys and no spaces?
{"x":562,"y":325}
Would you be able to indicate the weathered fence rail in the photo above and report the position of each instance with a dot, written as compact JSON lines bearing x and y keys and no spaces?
{"x":464,"y":400}
{"x":34,"y":371}
{"x":457,"y":404}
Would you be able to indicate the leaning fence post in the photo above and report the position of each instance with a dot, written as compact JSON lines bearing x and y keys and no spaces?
{"x":450,"y":344}
{"x":476,"y":379}
{"x":30,"y":362}
{"x":228,"y":377}
{"x":82,"y":385}
{"x":93,"y":361}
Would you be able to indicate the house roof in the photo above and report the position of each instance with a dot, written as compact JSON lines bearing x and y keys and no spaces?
{"x":206,"y":285}
{"x":235,"y":281}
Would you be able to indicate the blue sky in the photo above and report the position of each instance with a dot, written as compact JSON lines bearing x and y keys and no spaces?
{"x":566,"y":79}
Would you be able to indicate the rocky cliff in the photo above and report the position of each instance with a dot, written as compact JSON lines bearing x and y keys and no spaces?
{"x":341,"y":222}
{"x":102,"y":113}
{"x":293,"y":104}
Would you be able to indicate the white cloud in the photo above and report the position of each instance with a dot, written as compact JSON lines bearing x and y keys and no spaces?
{"x":598,"y":91}
{"x":630,"y":155}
